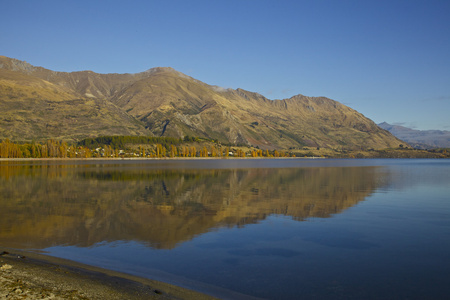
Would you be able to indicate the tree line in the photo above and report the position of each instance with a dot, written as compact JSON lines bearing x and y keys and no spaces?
{"x":49,"y":149}
{"x":161,"y":147}
{"x":128,"y":146}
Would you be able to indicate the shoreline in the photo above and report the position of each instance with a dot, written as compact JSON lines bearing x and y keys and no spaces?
{"x":152,"y":158}
{"x":33,"y":275}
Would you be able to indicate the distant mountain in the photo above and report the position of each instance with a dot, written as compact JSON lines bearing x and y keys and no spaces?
{"x":421,"y":139}
{"x":37,"y":103}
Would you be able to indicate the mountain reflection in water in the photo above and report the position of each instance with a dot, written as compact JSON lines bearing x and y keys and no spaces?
{"x":47,"y":205}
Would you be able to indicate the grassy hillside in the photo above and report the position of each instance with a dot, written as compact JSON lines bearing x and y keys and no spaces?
{"x":35,"y":109}
{"x":40,"y":103}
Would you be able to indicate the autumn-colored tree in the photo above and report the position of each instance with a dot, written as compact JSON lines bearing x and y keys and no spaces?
{"x":44,"y":151}
{"x":204,"y":152}
{"x":173,"y":151}
{"x":159,"y":150}
{"x":63,"y":149}
{"x":33,"y":151}
{"x":9,"y":150}
{"x":52,"y":148}
{"x":213,"y":151}
{"x":4,"y":148}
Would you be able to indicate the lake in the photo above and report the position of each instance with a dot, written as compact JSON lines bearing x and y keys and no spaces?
{"x":242,"y":228}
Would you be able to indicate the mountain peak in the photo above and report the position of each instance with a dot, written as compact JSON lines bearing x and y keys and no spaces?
{"x":164,"y":102}
{"x":161,"y":70}
{"x":13,"y":64}
{"x":166,"y":70}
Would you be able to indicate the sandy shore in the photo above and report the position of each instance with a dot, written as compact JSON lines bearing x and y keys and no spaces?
{"x":35,"y":276}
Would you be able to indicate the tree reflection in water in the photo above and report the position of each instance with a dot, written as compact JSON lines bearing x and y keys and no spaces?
{"x":45,"y":205}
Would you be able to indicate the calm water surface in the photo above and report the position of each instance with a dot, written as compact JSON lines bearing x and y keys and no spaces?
{"x":273,"y":229}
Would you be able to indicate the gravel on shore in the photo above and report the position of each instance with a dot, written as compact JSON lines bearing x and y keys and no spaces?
{"x":35,"y":276}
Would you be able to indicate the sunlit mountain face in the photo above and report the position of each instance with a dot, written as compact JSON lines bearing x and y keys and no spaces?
{"x":38,"y":104}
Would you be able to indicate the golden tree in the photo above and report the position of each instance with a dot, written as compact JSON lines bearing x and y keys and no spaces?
{"x":173,"y":151}
{"x":204,"y":152}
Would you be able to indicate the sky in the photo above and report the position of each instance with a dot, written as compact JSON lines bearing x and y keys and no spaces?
{"x":389,"y":60}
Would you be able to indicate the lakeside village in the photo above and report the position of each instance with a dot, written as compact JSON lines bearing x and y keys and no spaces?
{"x":189,"y":147}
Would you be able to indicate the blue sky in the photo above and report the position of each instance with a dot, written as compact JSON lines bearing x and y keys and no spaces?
{"x":389,"y":60}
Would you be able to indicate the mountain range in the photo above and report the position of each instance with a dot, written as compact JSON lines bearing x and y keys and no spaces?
{"x":37,"y":104}
{"x":420,"y":139}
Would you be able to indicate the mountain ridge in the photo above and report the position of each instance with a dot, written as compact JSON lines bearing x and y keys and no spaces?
{"x":166,"y":102}
{"x":421,"y":139}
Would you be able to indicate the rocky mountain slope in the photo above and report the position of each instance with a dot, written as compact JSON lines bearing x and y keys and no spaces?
{"x":421,"y":139}
{"x":38,"y":103}
{"x":33,"y":108}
